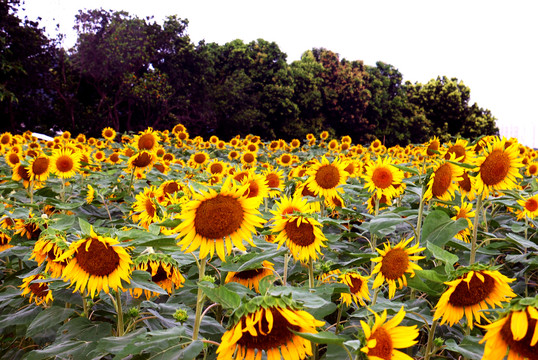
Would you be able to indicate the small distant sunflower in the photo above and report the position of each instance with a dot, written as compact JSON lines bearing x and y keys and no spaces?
{"x":251,"y":278}
{"x":141,"y":162}
{"x":96,"y":263}
{"x":146,"y":207}
{"x":39,"y":168}
{"x":49,"y":250}
{"x":198,"y":159}
{"x":5,"y":240}
{"x":303,"y":236}
{"x":358,"y":288}
{"x":164,"y":272}
{"x":394,"y":263}
{"x":324,"y":177}
{"x":461,"y":151}
{"x":385,"y":337}
{"x":464,"y":212}
{"x":39,"y":291}
{"x":90,"y":194}
{"x":382,"y":177}
{"x":109,"y":133}
{"x":515,"y":335}
{"x":12,"y":158}
{"x":147,"y":140}
{"x":383,"y":202}
{"x":530,"y":207}
{"x":443,"y":181}
{"x":470,"y":294}
{"x":65,"y":163}
{"x":532,"y":168}
{"x":275,"y":181}
{"x":268,"y":329}
{"x":324,"y":135}
{"x":212,"y":219}
{"x":284,"y":159}
{"x":169,"y":189}
{"x":217,"y":167}
{"x":248,"y":159}
{"x":498,"y":167}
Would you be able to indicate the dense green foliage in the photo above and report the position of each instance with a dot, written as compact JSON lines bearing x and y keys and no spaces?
{"x":130,"y":73}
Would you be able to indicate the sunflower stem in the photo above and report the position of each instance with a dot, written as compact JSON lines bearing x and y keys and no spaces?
{"x":420,"y":214}
{"x":374,"y":237}
{"x":31,"y":192}
{"x":472,"y":256}
{"x":526,"y":226}
{"x":431,"y":335}
{"x":131,"y":190}
{"x":339,"y":316}
{"x":62,"y":193}
{"x":85,"y":306}
{"x":119,"y":311}
{"x":199,"y":300}
{"x":374,"y":299}
{"x":311,"y":273}
{"x":286,"y":262}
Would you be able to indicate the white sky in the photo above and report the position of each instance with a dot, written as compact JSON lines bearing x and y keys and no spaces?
{"x":491,"y":45}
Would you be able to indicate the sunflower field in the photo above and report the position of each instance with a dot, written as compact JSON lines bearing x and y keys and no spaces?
{"x":157,"y":245}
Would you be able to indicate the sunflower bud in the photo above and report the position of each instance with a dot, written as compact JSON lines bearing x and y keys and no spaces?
{"x":181,"y":315}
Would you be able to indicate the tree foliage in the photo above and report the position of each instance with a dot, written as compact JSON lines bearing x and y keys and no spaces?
{"x":132,"y":73}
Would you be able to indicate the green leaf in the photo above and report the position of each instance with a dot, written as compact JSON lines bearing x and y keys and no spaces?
{"x":385,"y":223}
{"x":227,"y":298}
{"x":85,"y":227}
{"x":439,"y":228}
{"x":252,"y":260}
{"x":47,"y":319}
{"x":519,"y":240}
{"x":324,"y":337}
{"x":68,"y":349}
{"x":468,"y":348}
{"x":440,"y":254}
{"x":141,"y":279}
{"x":83,"y":329}
{"x":179,"y":351}
{"x":21,"y":317}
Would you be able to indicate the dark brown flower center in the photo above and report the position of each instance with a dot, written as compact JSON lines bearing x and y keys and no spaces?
{"x":248,"y":158}
{"x":356,"y":284}
{"x":64,"y":163}
{"x":150,"y":207}
{"x":394,"y":263}
{"x":39,"y":289}
{"x":278,"y":336}
{"x":350,"y":168}
{"x":23,"y":173}
{"x":521,"y":347}
{"x":531,"y":205}
{"x":383,"y":348}
{"x":285,"y":159}
{"x":533,"y":169}
{"x":14,"y":158}
{"x":442,"y":180}
{"x":218,"y":217}
{"x":253,"y":190}
{"x":142,"y":160}
{"x":382,"y":178}
{"x":434,"y":146}
{"x":248,"y":274}
{"x":473,"y":292}
{"x":99,"y":259}
{"x":495,"y":168}
{"x":160,"y":275}
{"x":465,"y":183}
{"x":199,"y":158}
{"x":456,"y":149}
{"x":146,"y":142}
{"x":302,"y":235}
{"x":272,"y":180}
{"x":114,"y":157}
{"x":171,"y":188}
{"x":327,"y":176}
{"x":216,"y":168}
{"x":108,"y":133}
{"x":40,"y":165}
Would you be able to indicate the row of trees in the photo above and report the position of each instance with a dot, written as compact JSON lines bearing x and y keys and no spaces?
{"x":131,"y":73}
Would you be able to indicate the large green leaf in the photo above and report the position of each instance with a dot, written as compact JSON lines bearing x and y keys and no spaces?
{"x":221,"y":295}
{"x":438,"y":228}
{"x":323,"y":337}
{"x":142,"y":280}
{"x":469,"y":347}
{"x":47,"y":319}
{"x":83,"y":329}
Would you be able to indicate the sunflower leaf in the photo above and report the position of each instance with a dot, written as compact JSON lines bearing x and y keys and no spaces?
{"x":439,"y":228}
{"x":85,"y":227}
{"x":324,"y":337}
{"x":227,"y":298}
{"x":469,"y":347}
{"x":47,"y":319}
{"x":440,"y":254}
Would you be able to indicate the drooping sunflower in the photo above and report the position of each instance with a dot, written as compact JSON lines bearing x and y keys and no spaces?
{"x":393,"y":264}
{"x":146,"y":207}
{"x":109,"y":133}
{"x":49,"y":250}
{"x":147,"y":140}
{"x":303,"y":236}
{"x":212,"y":219}
{"x":96,"y":263}
{"x":498,"y":167}
{"x":39,"y":291}
{"x":467,"y":186}
{"x":358,"y":288}
{"x":443,"y":181}
{"x":251,"y":278}
{"x":385,"y":337}
{"x":28,"y":227}
{"x":382,"y":177}
{"x":471,"y":293}
{"x":432,"y":147}
{"x":39,"y":168}
{"x":267,"y":330}
{"x":141,"y":162}
{"x":324,"y":177}
{"x":164,"y":272}
{"x":65,"y":162}
{"x":5,"y":240}
{"x":530,"y":207}
{"x":514,"y":335}
{"x":464,"y":212}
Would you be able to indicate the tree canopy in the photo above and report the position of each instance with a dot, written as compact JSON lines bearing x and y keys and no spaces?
{"x":131,"y":73}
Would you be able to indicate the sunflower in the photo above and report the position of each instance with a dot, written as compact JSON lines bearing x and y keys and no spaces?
{"x":95,"y":263}
{"x":5,"y":240}
{"x":530,"y":207}
{"x":268,"y":329}
{"x":39,"y":168}
{"x":141,"y":162}
{"x":324,"y":177}
{"x":6,"y":139}
{"x":147,"y":140}
{"x":467,"y":186}
{"x":65,"y":162}
{"x":516,"y":334}
{"x":443,"y":181}
{"x":28,"y":227}
{"x":217,"y":167}
{"x":12,"y":158}
{"x":381,"y":178}
{"x":146,"y":207}
{"x":498,"y":167}
{"x":257,"y":187}
{"x":198,"y":159}
{"x":471,"y":293}
{"x":248,"y":159}
{"x":90,"y":195}
{"x":385,"y":337}
{"x":275,"y":181}
{"x":170,"y":189}
{"x":461,"y":151}
{"x":49,"y":250}
{"x":532,"y":168}
{"x":251,"y":278}
{"x":464,"y":212}
{"x":290,"y":205}
{"x":393,"y":263}
{"x":164,"y":272}
{"x":284,"y":159}
{"x":432,"y":147}
{"x":39,"y":291}
{"x":212,"y":219}
{"x":333,"y":202}
{"x":109,"y":133}
{"x":358,"y":288}
{"x":302,"y":235}
{"x":383,"y":202}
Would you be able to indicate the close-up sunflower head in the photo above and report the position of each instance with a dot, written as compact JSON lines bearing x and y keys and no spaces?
{"x":251,"y":278}
{"x":473,"y":290}
{"x":325,"y":178}
{"x":382,"y":177}
{"x":37,"y":289}
{"x":268,"y":325}
{"x":358,"y":288}
{"x":444,"y":180}
{"x":65,"y":162}
{"x":49,"y":249}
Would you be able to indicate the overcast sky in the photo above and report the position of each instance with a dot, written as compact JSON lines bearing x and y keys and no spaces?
{"x":491,"y":45}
